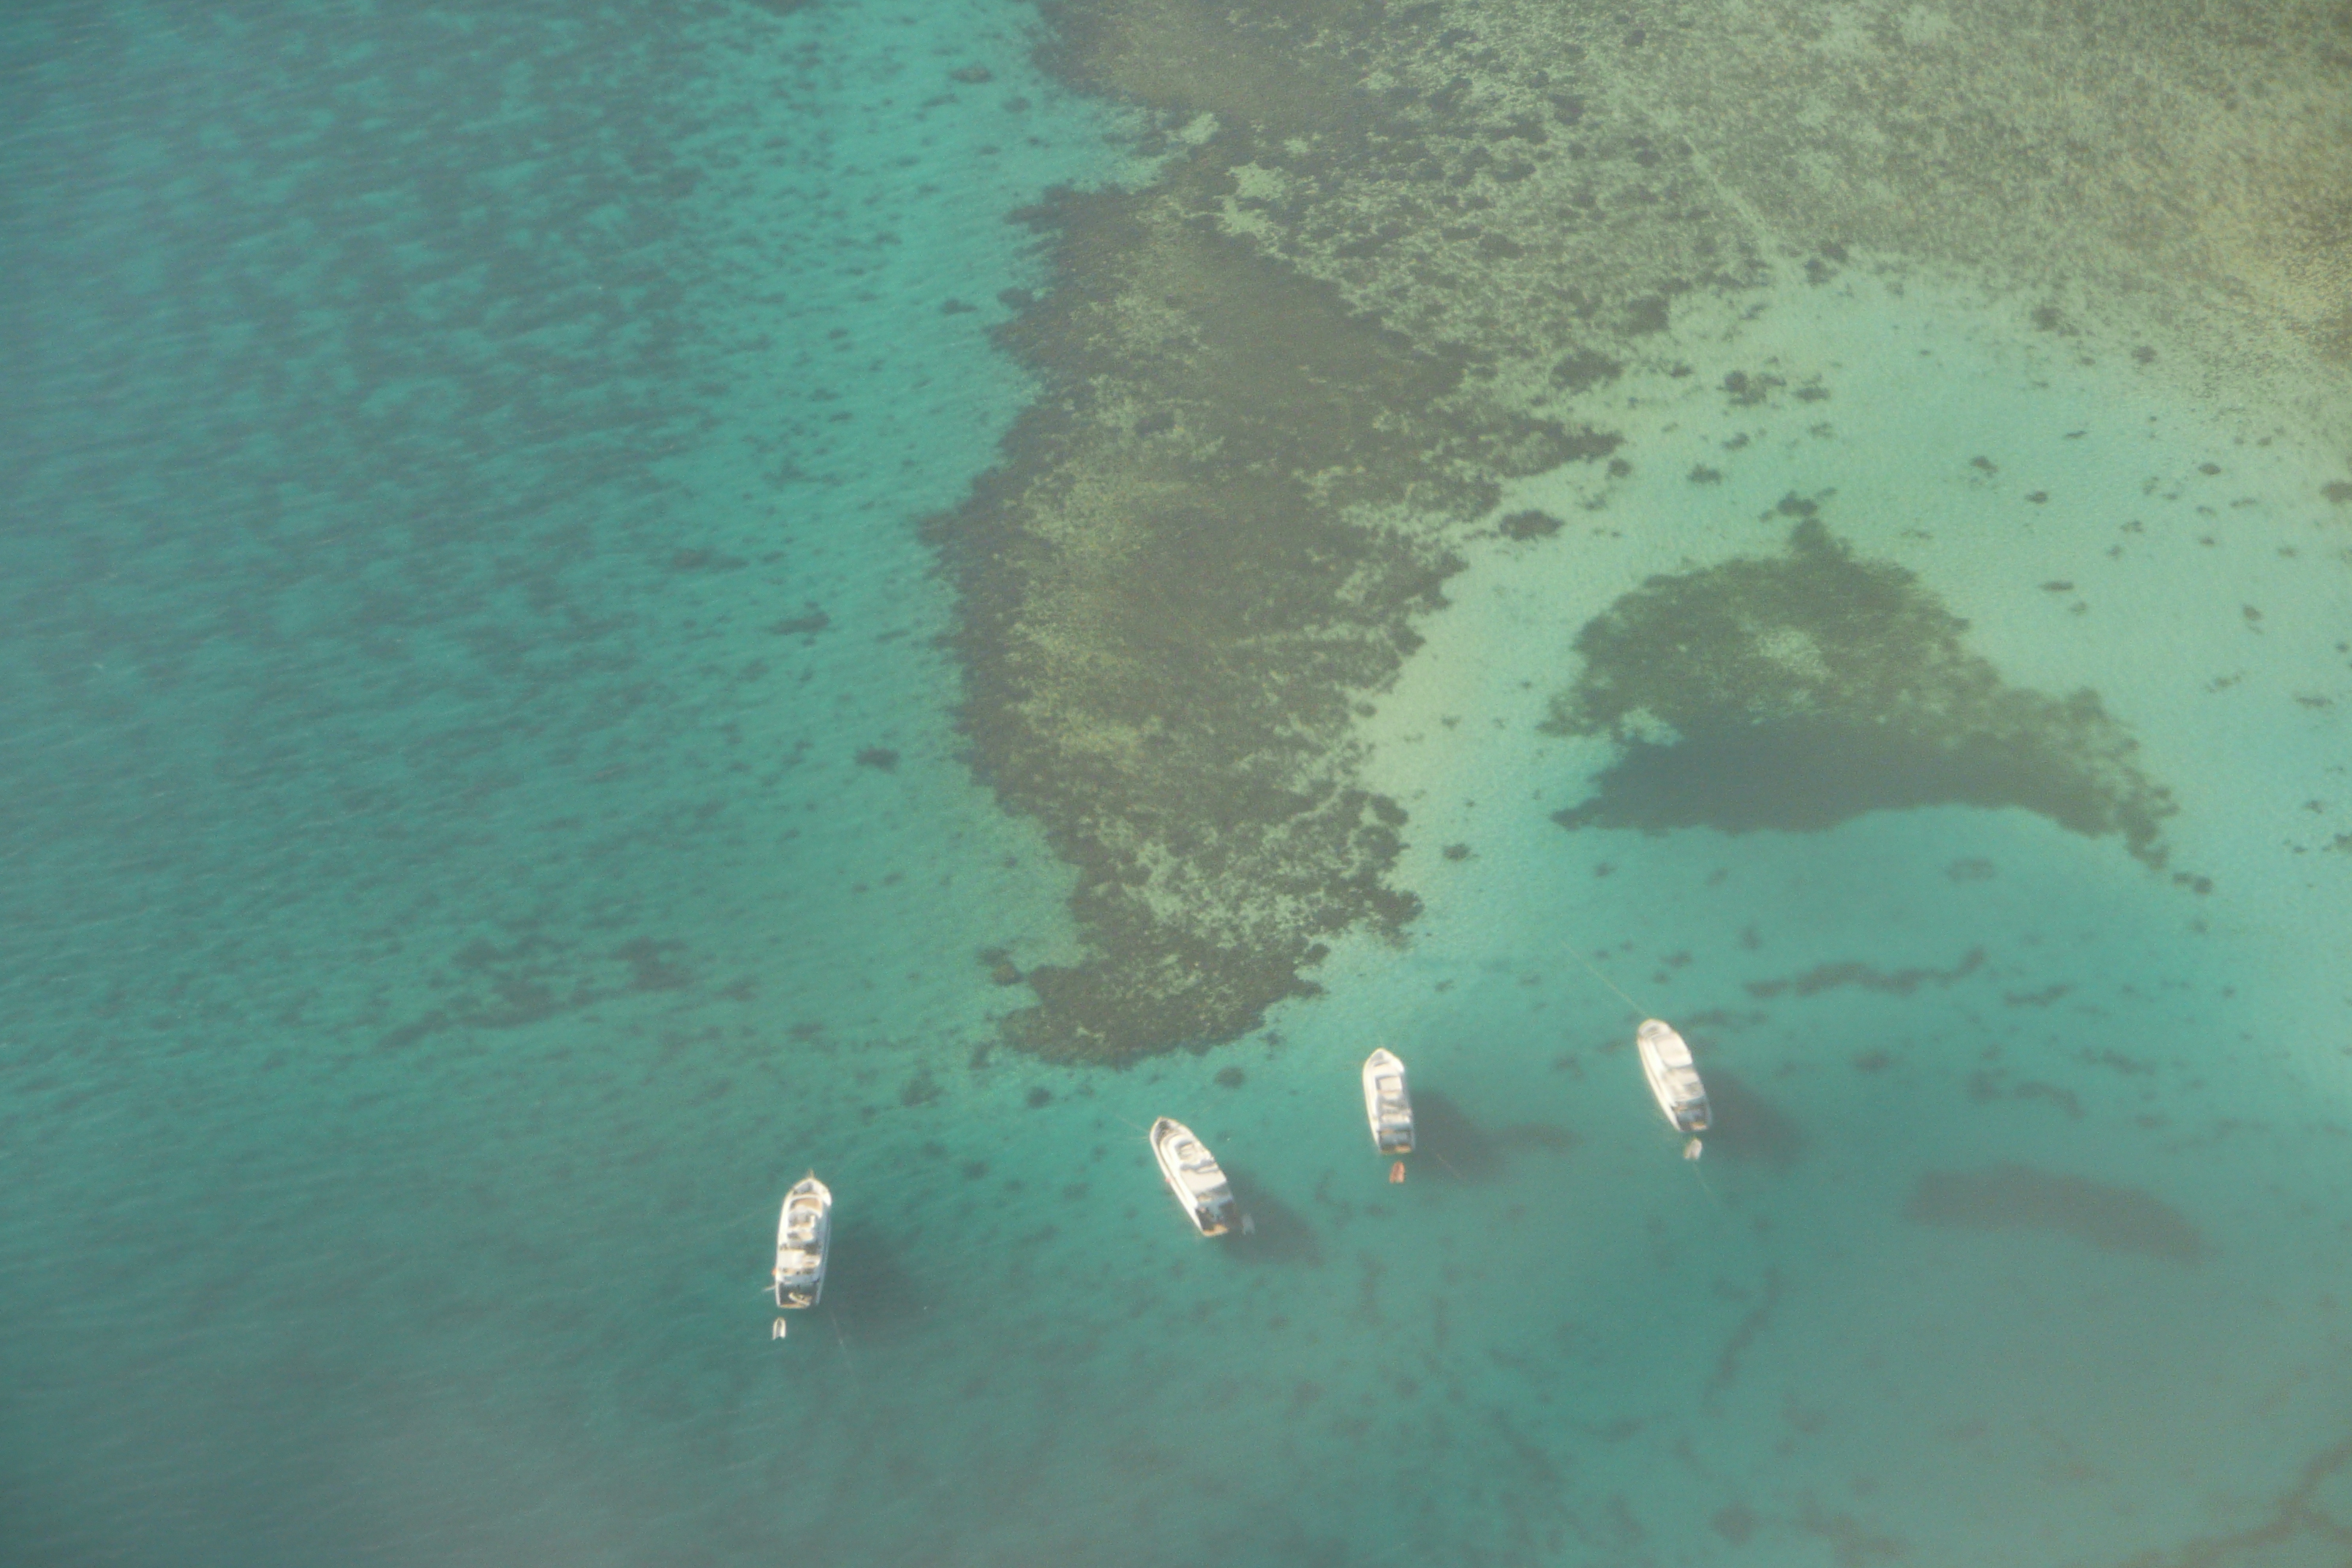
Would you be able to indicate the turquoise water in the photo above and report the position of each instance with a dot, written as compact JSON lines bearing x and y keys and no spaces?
{"x":488,"y":811}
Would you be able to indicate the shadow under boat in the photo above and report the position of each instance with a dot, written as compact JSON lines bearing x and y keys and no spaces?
{"x":867,"y":1290}
{"x":1747,"y":1127}
{"x":1454,"y":1144}
{"x":1277,"y":1234}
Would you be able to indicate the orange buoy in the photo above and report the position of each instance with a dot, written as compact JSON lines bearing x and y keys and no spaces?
{"x":1396,"y":1173}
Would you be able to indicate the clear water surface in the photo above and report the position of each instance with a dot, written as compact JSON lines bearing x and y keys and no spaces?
{"x":486,"y":811}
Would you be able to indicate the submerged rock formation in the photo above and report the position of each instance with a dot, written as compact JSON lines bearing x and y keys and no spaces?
{"x":1167,"y":613}
{"x":1798,"y":691}
{"x":1392,"y":256}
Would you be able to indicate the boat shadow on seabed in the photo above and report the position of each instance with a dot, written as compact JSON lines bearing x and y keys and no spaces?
{"x":1276,"y":1233}
{"x":1459,"y":1147}
{"x":1749,"y":1129}
{"x":868,"y":1293}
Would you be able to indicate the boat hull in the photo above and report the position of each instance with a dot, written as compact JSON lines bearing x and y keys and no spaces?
{"x":1193,"y":1175}
{"x":1388,"y":1102}
{"x":1675,"y":1082}
{"x":803,"y":1242}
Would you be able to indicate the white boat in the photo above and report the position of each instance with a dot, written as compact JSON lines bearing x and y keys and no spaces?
{"x":1388,"y":1105}
{"x":1194,"y":1177}
{"x":803,"y":1233}
{"x":1667,"y":1061}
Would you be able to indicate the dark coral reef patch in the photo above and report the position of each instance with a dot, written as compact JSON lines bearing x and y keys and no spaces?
{"x":1169,"y":614}
{"x":1800,"y":690}
{"x":1393,"y":255}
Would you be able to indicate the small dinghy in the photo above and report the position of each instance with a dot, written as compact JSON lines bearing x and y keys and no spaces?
{"x":1388,"y":1105}
{"x":1194,"y":1177}
{"x":1666,"y":1062}
{"x":803,"y":1233}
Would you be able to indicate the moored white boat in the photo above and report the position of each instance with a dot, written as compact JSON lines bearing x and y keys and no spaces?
{"x":804,"y":1234}
{"x":1666,"y":1062}
{"x":1388,"y":1104}
{"x":1194,"y":1176}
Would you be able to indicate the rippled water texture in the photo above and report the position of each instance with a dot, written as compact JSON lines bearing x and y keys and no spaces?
{"x":608,"y":605}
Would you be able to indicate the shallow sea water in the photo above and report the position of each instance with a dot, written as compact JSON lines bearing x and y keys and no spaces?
{"x":486,"y":814}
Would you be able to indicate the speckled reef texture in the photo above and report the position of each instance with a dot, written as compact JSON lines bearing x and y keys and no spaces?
{"x":544,"y":537}
{"x":1799,"y":692}
{"x":1394,"y":253}
{"x":1169,"y":609}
